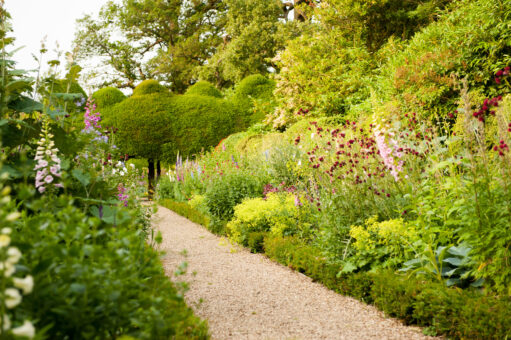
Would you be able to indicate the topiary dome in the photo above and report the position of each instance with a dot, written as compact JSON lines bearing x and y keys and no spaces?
{"x":204,"y":88}
{"x":149,"y":86}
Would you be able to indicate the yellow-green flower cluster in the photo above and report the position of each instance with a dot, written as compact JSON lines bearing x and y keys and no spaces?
{"x":392,"y":233}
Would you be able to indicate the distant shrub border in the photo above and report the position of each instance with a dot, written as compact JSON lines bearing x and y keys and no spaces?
{"x":456,"y":313}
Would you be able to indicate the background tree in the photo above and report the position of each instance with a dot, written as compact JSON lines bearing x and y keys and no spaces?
{"x":145,"y":39}
{"x":255,"y":32}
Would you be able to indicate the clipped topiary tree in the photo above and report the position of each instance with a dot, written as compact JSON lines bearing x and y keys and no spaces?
{"x":157,"y":126}
{"x":204,"y":88}
{"x":107,"y":96}
{"x":149,"y":86}
{"x":200,"y":122}
{"x":143,"y":127}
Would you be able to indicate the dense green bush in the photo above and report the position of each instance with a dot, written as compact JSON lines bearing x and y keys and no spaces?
{"x":96,"y":280}
{"x":255,"y":241}
{"x":253,"y":97}
{"x":150,"y":86}
{"x":255,"y":86}
{"x":204,"y":88}
{"x":230,"y":190}
{"x":471,"y":41}
{"x":199,"y":123}
{"x":321,"y":71}
{"x":107,"y":96}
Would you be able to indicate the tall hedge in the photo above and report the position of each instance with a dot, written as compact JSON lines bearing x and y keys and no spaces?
{"x":158,"y":126}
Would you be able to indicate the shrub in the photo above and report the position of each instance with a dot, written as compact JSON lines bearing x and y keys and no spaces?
{"x":144,"y":124}
{"x":185,"y":210}
{"x":253,"y":97}
{"x":149,"y":86}
{"x":113,"y":278}
{"x":204,"y":88}
{"x":107,"y":96}
{"x":255,"y":241}
{"x":385,"y":244}
{"x":470,"y":41}
{"x":342,"y":66}
{"x":255,"y":86}
{"x":230,"y":190}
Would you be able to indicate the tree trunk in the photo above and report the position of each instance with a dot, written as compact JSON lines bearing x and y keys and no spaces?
{"x":150,"y":179}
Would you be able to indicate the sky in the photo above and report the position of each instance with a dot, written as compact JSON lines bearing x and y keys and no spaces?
{"x":32,"y":20}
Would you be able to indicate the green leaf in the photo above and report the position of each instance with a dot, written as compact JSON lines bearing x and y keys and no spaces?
{"x":81,"y":176}
{"x":454,"y":261}
{"x":78,"y":288}
{"x":348,"y":267}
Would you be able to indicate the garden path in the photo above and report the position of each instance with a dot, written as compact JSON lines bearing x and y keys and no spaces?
{"x":248,"y":296}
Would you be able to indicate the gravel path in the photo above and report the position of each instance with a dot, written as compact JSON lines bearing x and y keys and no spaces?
{"x":248,"y":296}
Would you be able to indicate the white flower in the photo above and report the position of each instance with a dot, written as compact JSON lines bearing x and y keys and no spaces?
{"x":9,"y":269}
{"x":12,"y":297}
{"x":26,"y":284}
{"x":121,"y":173}
{"x":132,"y":166}
{"x":312,"y":135}
{"x":5,"y":323}
{"x":26,"y":330}
{"x":13,"y":216}
{"x":6,"y":231}
{"x":5,"y":240}
{"x":13,"y":255}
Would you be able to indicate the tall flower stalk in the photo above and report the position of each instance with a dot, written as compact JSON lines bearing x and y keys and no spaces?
{"x":48,"y":163}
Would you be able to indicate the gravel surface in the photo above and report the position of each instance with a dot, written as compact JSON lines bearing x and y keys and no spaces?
{"x":248,"y":296}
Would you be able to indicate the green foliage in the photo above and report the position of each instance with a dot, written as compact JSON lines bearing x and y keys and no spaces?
{"x":470,"y":41}
{"x":104,"y":270}
{"x":253,"y":97}
{"x":255,"y":241}
{"x":204,"y":88}
{"x":255,"y":86}
{"x":149,"y":86}
{"x":230,"y":190}
{"x":107,"y":96}
{"x":384,"y":244}
{"x":322,"y":71}
{"x":255,"y":33}
{"x":452,"y":264}
{"x":147,"y":39}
